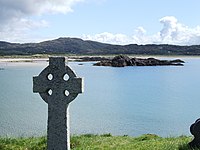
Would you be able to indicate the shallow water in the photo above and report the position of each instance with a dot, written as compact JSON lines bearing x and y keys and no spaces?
{"x":163,"y":100}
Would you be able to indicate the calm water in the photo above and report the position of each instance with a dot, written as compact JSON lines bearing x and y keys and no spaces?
{"x":122,"y":101}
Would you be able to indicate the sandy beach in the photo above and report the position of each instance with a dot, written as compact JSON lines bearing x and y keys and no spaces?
{"x":5,"y":62}
{"x":22,"y":59}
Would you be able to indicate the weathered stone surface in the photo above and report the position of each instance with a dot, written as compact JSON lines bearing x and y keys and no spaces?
{"x":122,"y":61}
{"x":57,"y":91}
{"x":195,"y":130}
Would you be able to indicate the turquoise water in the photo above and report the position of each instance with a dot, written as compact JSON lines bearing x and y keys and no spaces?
{"x":122,"y":101}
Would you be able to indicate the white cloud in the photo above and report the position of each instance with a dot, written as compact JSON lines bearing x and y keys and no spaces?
{"x":169,"y":27}
{"x":57,"y":6}
{"x":106,"y":37}
{"x":17,"y":8}
{"x":15,"y":15}
{"x":140,"y":31}
{"x":172,"y":32}
{"x":139,"y":36}
{"x":17,"y":31}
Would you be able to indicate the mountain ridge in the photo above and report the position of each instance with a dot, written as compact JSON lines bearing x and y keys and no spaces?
{"x":75,"y":46}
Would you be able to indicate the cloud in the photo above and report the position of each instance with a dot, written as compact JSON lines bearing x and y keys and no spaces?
{"x":107,"y":37}
{"x":19,"y":8}
{"x":169,"y":27}
{"x":172,"y":32}
{"x":139,"y":37}
{"x":15,"y":15}
{"x":18,"y":30}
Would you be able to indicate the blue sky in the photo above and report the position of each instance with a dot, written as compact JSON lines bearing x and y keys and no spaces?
{"x":110,"y":21}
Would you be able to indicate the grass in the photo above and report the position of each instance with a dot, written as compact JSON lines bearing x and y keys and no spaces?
{"x":23,"y":143}
{"x":102,"y":142}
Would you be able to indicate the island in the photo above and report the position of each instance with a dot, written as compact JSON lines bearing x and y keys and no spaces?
{"x":123,"y":60}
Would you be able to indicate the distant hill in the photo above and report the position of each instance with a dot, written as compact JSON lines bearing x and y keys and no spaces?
{"x":79,"y":46}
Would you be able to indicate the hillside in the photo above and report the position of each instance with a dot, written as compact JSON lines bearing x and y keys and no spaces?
{"x":79,"y":46}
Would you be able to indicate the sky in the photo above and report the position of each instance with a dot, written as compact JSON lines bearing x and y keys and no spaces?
{"x":109,"y":21}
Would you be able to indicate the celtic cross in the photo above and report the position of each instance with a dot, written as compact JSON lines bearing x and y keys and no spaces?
{"x":58,"y":85}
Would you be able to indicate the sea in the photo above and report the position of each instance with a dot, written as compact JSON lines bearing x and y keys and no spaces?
{"x":136,"y":100}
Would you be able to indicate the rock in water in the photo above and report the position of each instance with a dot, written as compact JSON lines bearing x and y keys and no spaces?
{"x":122,"y":61}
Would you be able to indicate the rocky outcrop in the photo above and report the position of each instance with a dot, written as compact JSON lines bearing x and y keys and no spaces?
{"x":122,"y":61}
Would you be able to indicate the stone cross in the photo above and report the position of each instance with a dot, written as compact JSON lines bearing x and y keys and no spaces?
{"x":58,"y":85}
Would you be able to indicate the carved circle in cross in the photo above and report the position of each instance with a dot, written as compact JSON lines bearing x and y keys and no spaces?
{"x":57,"y":81}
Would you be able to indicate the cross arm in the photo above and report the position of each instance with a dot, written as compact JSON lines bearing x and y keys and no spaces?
{"x":39,"y":85}
{"x":75,"y":85}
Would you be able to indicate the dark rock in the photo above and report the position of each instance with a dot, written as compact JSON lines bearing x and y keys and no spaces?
{"x":177,"y":61}
{"x":122,"y":61}
{"x":104,"y":63}
{"x":195,"y":130}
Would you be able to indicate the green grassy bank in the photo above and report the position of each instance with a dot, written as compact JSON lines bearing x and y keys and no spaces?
{"x":102,"y":142}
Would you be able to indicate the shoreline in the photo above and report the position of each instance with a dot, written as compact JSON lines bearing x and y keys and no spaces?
{"x":43,"y":58}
